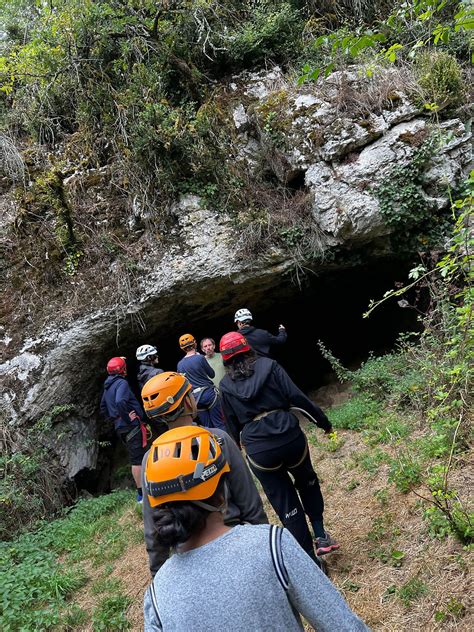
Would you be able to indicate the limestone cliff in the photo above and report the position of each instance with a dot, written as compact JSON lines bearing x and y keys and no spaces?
{"x":338,"y":151}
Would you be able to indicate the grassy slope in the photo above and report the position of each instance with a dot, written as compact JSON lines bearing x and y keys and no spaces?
{"x":391,"y":571}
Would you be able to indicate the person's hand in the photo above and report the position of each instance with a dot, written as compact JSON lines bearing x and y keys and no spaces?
{"x":133,"y":416}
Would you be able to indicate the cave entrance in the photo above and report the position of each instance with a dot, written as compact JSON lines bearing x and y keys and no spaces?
{"x":328,"y":306}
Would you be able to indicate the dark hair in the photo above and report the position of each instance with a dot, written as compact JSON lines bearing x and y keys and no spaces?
{"x":177,"y":521}
{"x":241,"y":366}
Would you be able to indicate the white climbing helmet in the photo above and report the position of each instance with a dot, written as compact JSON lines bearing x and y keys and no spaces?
{"x":145,"y":351}
{"x":243,"y":315}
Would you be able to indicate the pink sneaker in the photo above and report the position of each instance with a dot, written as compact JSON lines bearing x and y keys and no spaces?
{"x":326,"y":545}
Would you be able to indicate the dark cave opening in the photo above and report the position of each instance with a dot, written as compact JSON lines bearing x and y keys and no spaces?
{"x":328,"y":307}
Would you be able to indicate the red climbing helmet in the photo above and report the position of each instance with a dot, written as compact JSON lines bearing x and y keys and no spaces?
{"x":117,"y":366}
{"x":232,"y":344}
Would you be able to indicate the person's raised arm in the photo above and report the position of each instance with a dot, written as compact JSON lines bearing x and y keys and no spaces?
{"x":313,"y":595}
{"x":279,"y":339}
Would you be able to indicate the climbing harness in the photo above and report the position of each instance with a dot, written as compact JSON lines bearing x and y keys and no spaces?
{"x":145,"y":432}
{"x":283,"y":410}
{"x":277,"y":467}
{"x":199,"y":392}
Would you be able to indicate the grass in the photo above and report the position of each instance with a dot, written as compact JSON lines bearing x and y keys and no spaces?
{"x":412,"y":590}
{"x":40,"y":571}
{"x":110,"y":614}
{"x":370,"y":460}
{"x":356,"y":414}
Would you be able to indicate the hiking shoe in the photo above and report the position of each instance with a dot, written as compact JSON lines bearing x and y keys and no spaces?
{"x":325,"y":545}
{"x":139,"y":498}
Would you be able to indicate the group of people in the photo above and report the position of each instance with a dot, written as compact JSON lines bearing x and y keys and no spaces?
{"x":230,"y":569}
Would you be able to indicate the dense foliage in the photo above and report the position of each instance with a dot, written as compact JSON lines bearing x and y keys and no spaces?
{"x":425,"y":386}
{"x":136,"y":80}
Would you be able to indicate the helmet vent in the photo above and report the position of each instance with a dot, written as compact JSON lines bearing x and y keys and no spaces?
{"x":177,"y":450}
{"x":212,"y":449}
{"x":155,"y":455}
{"x":195,"y":447}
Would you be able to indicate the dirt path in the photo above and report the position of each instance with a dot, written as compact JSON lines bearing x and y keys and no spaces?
{"x":370,"y":520}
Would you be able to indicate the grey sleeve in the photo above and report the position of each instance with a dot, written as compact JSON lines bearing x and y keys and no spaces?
{"x":157,"y":553}
{"x":313,"y":595}
{"x":152,"y":624}
{"x":244,"y":493}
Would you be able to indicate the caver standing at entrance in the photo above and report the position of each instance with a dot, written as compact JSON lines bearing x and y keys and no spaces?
{"x":168,"y":398}
{"x":208,"y":347}
{"x":259,"y":339}
{"x":147,"y":355}
{"x":120,"y":404}
{"x":257,"y":396}
{"x":200,"y":373}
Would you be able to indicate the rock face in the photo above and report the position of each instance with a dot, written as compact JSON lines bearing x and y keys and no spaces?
{"x":337,"y":148}
{"x":345,"y":150}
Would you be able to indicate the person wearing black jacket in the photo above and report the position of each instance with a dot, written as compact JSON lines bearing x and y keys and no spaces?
{"x":257,"y":397}
{"x":147,"y":355}
{"x":259,"y":339}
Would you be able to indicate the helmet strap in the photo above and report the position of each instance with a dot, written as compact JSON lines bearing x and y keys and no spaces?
{"x":222,"y":508}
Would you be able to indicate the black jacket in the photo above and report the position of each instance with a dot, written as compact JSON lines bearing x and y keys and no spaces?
{"x":269,"y":388}
{"x":261,"y":340}
{"x":146,"y":372}
{"x":243,"y":503}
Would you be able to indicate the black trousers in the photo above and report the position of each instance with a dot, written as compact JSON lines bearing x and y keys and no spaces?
{"x":291,"y":499}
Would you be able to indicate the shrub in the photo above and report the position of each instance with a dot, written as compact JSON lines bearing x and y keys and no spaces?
{"x":440,"y":79}
{"x":356,"y":413}
{"x":272,"y":32}
{"x":31,"y":486}
{"x":405,"y":472}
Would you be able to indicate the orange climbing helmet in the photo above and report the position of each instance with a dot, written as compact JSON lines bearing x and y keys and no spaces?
{"x":232,"y":344}
{"x":163,"y":395}
{"x":186,"y":341}
{"x":117,"y":366}
{"x":184,"y":464}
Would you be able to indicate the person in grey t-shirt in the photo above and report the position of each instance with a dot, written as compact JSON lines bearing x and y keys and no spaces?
{"x":243,"y":504}
{"x":223,"y":578}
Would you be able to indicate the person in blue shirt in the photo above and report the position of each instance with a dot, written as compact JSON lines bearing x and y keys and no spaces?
{"x":120,"y":404}
{"x":199,"y":372}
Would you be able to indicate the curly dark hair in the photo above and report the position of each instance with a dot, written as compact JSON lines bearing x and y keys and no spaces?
{"x":241,"y":366}
{"x":177,"y":521}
